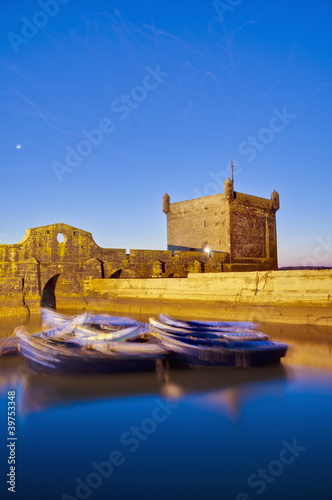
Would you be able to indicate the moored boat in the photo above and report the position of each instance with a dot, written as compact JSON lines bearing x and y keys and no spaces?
{"x":198,"y":325}
{"x":45,"y":354}
{"x":238,"y":331}
{"x":197,"y":347}
{"x":79,"y":344}
{"x":86,"y":330}
{"x":51,"y":318}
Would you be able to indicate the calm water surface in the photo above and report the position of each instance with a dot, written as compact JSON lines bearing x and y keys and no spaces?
{"x":233,"y":434}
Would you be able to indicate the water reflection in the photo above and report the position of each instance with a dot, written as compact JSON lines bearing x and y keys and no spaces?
{"x":41,"y":392}
{"x":226,"y":424}
{"x":309,"y":345}
{"x":225,"y":390}
{"x":8,"y":324}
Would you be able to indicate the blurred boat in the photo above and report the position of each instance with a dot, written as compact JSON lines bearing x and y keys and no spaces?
{"x":205,"y":345}
{"x":51,"y":318}
{"x":85,"y":330}
{"x":88,"y":337}
{"x":51,"y":354}
{"x":207,"y":325}
{"x":228,"y":330}
{"x":102,"y":343}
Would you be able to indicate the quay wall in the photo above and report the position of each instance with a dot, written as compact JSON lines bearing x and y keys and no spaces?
{"x":299,"y":296}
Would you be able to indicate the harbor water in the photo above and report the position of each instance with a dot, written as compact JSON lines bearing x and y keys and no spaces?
{"x":173,"y":434}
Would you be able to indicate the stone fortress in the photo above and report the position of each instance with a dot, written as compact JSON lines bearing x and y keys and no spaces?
{"x":225,"y":232}
{"x":240,"y":226}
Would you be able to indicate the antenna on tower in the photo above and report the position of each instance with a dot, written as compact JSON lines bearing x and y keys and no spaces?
{"x":232,"y":167}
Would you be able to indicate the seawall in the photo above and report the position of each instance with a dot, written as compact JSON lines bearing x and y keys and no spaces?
{"x":279,"y":296}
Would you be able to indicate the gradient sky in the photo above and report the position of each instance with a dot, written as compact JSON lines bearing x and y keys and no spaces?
{"x":177,"y":89}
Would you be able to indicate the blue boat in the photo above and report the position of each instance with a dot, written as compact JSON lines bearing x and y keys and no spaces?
{"x":231,"y":331}
{"x":79,"y":344}
{"x":51,"y":318}
{"x":53,"y":355}
{"x":198,"y":325}
{"x":202,"y":347}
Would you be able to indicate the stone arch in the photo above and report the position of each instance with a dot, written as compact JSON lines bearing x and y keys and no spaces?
{"x":124,"y":274}
{"x":116,"y":274}
{"x":174,"y":275}
{"x":48,"y":295}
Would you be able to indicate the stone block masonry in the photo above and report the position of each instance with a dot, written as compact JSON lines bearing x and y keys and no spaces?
{"x":52,"y":262}
{"x":302,"y":297}
{"x":241,"y":225}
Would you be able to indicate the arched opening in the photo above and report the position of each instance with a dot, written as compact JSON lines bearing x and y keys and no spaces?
{"x":116,"y":274}
{"x":124,"y":274}
{"x":48,"y":295}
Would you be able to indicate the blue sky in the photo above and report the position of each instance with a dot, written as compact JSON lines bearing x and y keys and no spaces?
{"x":115,"y":102}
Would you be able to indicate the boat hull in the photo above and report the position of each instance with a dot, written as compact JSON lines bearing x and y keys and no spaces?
{"x":221,"y":356}
{"x":47,"y":356}
{"x":199,"y":344}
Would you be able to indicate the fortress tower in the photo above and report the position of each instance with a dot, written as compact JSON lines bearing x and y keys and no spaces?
{"x":241,"y":225}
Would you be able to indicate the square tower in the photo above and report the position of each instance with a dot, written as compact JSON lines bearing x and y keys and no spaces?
{"x":242,"y":225}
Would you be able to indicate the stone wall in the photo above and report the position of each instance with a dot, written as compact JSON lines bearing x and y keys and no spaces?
{"x":275,"y":296}
{"x":41,"y":267}
{"x":253,"y":229}
{"x":193,"y":223}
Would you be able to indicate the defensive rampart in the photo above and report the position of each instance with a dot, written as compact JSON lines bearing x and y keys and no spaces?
{"x":278,"y":296}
